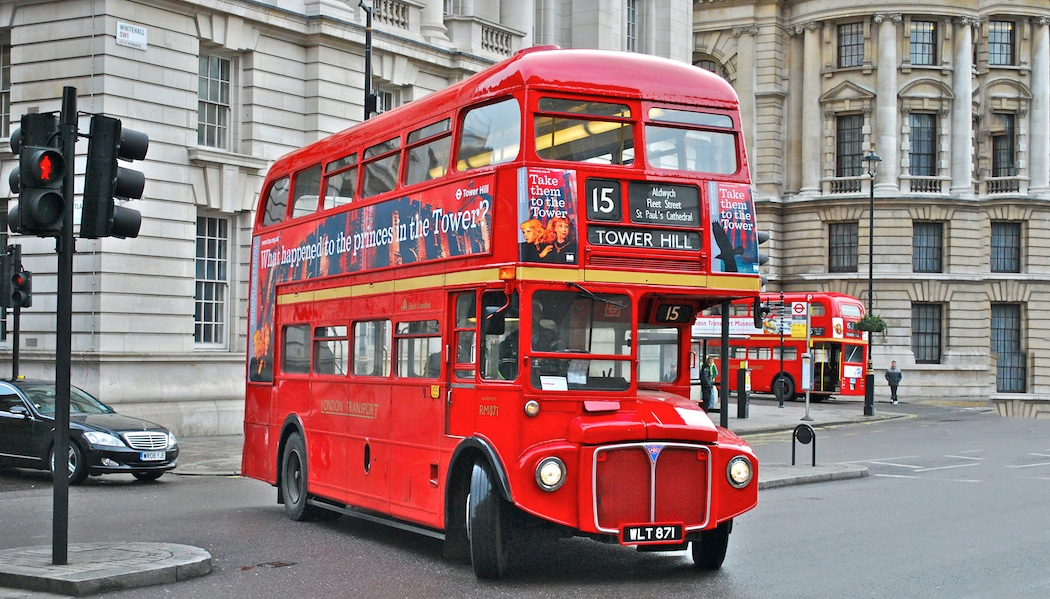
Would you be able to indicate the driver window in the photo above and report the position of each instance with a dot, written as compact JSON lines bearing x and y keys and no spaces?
{"x":499,"y":329}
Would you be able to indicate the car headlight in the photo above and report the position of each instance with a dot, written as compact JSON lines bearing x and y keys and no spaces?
{"x":550,"y":474}
{"x":171,"y":441}
{"x":739,"y":471}
{"x":103,"y":439}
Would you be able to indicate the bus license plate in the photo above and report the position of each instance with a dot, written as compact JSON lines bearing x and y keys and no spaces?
{"x":152,"y":456}
{"x":651,"y":534}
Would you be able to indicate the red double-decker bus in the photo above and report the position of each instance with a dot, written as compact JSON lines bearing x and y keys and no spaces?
{"x":470,"y":316}
{"x":774,"y":352}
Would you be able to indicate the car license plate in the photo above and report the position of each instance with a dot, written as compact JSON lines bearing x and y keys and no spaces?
{"x":651,"y":534}
{"x":152,"y":456}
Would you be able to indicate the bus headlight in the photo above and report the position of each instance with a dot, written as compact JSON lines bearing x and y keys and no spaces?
{"x":739,"y":472}
{"x":550,"y":474}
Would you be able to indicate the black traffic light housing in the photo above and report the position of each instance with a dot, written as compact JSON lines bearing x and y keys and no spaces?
{"x":39,"y":178}
{"x":104,"y":180}
{"x":21,"y":288}
{"x":763,"y":258}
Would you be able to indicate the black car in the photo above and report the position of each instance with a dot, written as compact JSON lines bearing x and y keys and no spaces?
{"x":100,"y":440}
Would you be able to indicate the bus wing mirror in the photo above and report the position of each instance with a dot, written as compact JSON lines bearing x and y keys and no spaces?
{"x":495,"y":320}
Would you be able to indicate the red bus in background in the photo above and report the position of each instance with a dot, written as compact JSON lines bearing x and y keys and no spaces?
{"x":838,"y":348}
{"x":595,"y":203}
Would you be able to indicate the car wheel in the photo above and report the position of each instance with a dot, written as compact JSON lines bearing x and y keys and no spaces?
{"x":293,"y":482}
{"x":77,"y":468}
{"x":148,"y":475}
{"x":486,"y":524}
{"x":710,"y":550}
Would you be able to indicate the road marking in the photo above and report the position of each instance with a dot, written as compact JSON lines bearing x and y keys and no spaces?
{"x":897,"y":476}
{"x":963,"y":457}
{"x":1031,"y":465}
{"x":916,"y":468}
{"x":877,"y":460}
{"x":946,"y":467}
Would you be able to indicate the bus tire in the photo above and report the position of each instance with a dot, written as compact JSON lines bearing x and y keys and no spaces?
{"x":710,"y":550}
{"x":293,"y":482}
{"x":486,"y":524}
{"x":784,"y":387}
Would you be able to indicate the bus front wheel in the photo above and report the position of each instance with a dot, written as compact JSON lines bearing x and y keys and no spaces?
{"x":710,"y":550}
{"x":486,"y":524}
{"x":784,"y":387}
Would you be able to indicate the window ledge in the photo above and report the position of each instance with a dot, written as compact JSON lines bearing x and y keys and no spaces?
{"x":201,"y":156}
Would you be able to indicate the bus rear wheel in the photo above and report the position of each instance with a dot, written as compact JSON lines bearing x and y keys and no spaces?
{"x":487,"y":531}
{"x":293,"y":482}
{"x":710,"y":550}
{"x":784,"y":387}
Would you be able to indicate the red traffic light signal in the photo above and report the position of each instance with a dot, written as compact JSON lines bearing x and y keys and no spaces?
{"x":39,"y":178}
{"x":22,"y":289}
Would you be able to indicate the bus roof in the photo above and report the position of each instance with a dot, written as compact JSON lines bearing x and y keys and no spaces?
{"x":597,"y":72}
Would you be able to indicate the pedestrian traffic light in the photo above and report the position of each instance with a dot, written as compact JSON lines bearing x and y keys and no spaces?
{"x":104,"y":180}
{"x":39,"y":177}
{"x":21,"y":288}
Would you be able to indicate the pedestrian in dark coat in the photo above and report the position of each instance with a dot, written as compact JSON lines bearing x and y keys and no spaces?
{"x":893,"y":377}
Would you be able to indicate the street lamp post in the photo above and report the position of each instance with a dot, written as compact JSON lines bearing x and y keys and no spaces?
{"x":872,"y":160}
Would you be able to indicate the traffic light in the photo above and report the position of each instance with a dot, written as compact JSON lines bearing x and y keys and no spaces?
{"x":21,"y":288}
{"x":104,"y":180}
{"x":39,"y":177}
{"x":763,"y":258}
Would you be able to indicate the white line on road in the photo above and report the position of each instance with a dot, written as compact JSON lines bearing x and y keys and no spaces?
{"x":946,"y":467}
{"x":1031,"y":465}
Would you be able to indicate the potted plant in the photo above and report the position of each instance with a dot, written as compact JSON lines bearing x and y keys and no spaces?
{"x":872,"y":323}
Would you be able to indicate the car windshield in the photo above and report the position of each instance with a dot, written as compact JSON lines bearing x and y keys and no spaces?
{"x":43,"y":397}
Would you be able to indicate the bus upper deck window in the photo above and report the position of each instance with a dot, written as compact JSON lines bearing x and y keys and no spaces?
{"x":491,"y":134}
{"x":383,"y":162}
{"x":428,"y":160}
{"x":340,"y":182}
{"x":575,"y":130}
{"x":689,"y":149}
{"x":307,"y":189}
{"x":276,"y":202}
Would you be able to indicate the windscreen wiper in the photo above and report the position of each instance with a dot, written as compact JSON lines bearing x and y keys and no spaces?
{"x":595,"y":297}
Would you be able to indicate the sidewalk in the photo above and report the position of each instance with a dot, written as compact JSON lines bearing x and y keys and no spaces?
{"x":95,"y":568}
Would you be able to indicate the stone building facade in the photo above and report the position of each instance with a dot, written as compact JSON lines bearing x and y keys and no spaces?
{"x":222,"y":88}
{"x":954,"y":97}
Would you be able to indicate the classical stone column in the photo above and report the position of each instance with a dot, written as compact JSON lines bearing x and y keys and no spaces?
{"x":887,"y":127}
{"x":812,"y":128}
{"x":745,"y":86}
{"x":962,"y":107}
{"x":432,"y":25}
{"x":1039,"y":156}
{"x":520,"y":15}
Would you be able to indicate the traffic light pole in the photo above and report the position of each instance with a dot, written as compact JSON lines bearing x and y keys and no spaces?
{"x":64,"y":337}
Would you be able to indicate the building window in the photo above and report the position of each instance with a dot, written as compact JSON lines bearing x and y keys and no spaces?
{"x":214,"y":80}
{"x":386,"y":98}
{"x":632,"y":25}
{"x":1001,"y":43}
{"x":923,"y":46}
{"x":5,"y":89}
{"x":922,"y":148}
{"x":842,"y":247}
{"x":849,"y":141}
{"x":927,"y":250}
{"x":851,"y":45}
{"x":211,"y":296}
{"x":1003,"y":164}
{"x":926,"y":333}
{"x":1006,"y":247}
{"x":1006,"y":343}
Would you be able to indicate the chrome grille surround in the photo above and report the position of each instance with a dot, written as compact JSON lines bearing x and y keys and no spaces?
{"x":147,"y":440}
{"x":653,"y":451}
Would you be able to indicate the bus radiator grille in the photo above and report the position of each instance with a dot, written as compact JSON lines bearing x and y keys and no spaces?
{"x":625,"y":492}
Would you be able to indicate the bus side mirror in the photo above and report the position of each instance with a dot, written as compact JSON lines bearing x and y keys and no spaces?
{"x":495,"y":320}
